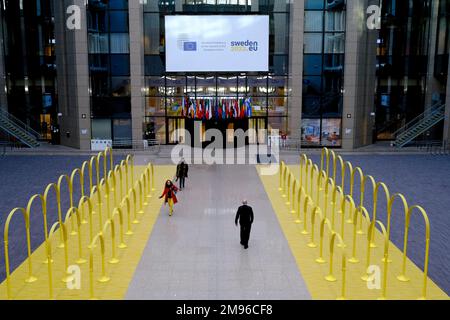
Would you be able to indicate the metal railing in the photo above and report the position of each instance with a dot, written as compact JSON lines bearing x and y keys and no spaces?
{"x":19,"y":123}
{"x":417,"y":119}
{"x":5,"y":145}
{"x":152,"y":145}
{"x":437,"y":147}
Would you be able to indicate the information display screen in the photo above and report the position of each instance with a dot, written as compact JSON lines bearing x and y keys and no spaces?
{"x":217,"y":43}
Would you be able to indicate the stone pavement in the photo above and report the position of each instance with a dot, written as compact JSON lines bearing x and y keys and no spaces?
{"x":196,"y":253}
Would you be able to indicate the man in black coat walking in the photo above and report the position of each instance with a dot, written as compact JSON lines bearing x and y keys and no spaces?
{"x":182,"y":172}
{"x":245,"y":217}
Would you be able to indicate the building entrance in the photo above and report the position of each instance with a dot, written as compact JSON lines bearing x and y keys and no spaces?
{"x":226,"y":131}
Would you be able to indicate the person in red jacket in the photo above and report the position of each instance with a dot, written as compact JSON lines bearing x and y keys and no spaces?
{"x":169,"y":193}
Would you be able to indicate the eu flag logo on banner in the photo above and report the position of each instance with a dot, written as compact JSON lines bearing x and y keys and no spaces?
{"x":190,"y":46}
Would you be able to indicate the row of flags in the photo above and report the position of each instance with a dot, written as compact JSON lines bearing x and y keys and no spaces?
{"x":207,"y":109}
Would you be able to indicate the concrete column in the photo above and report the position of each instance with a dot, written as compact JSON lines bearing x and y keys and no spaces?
{"x":3,"y":97}
{"x":255,"y":6}
{"x":73,"y":77}
{"x":433,"y":86}
{"x":136,"y":17}
{"x":296,"y":25}
{"x":447,"y":109}
{"x":178,"y":5}
{"x":359,"y":77}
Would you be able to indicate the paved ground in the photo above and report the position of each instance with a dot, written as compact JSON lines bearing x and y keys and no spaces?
{"x":196,"y":253}
{"x":22,"y":177}
{"x":424,"y":180}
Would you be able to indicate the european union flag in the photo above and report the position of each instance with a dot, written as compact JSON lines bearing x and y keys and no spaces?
{"x":190,"y":46}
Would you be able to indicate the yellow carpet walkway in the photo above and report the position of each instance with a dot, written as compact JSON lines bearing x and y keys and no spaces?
{"x":314,"y":273}
{"x":120,"y":272}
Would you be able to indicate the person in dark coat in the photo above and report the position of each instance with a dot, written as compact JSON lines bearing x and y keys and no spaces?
{"x":182,"y":173}
{"x":245,"y":217}
{"x":169,"y":195}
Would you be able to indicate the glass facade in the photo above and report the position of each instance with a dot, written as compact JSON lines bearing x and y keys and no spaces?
{"x":402,"y":56}
{"x":30,"y":62}
{"x":403,"y":59}
{"x":323,"y":72}
{"x":109,"y":69}
{"x":165,"y":91}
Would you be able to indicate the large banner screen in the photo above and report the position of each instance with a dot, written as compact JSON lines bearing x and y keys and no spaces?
{"x":217,"y":43}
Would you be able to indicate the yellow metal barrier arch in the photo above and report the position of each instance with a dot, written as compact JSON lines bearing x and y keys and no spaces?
{"x":48,"y":247}
{"x":43,"y":208}
{"x":31,"y":278}
{"x":375,"y":203}
{"x":349,"y":199}
{"x":104,"y":277}
{"x":334,"y":159}
{"x":314,"y":213}
{"x":69,"y":214}
{"x":374,"y":186}
{"x":112,"y":178}
{"x":389,"y":211}
{"x":348,"y":165}
{"x":126,"y":201}
{"x":306,"y":204}
{"x":303,"y":161}
{"x":101,"y":155}
{"x":337,"y":190}
{"x":364,"y":214}
{"x":119,"y":212}
{"x":321,"y":178}
{"x":342,"y":166}
{"x":118,"y":173}
{"x":130,"y":163}
{"x":361,"y":186}
{"x":81,"y":203}
{"x":280,"y":171}
{"x":53,"y":186}
{"x":96,"y":191}
{"x":301,"y":192}
{"x":67,"y":179}
{"x":385,"y":259}
{"x":138,"y":185}
{"x":403,"y":277}
{"x":294,"y":188}
{"x":110,"y":223}
{"x":285,"y":169}
{"x":330,"y":277}
{"x":153,"y":177}
{"x":325,"y":160}
{"x":135,"y":208}
{"x":329,"y":182}
{"x":324,"y":222}
{"x":109,"y":151}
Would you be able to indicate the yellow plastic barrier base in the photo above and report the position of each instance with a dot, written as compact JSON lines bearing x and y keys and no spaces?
{"x":120,"y":272}
{"x":314,"y":273}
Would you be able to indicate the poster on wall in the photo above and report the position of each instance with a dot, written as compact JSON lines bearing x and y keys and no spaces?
{"x":311,"y":131}
{"x":385,"y":100}
{"x":331,"y":132}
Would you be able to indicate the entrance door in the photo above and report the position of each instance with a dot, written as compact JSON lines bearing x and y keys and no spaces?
{"x":175,"y":130}
{"x":228,"y":130}
{"x":46,"y":122}
{"x":259,"y":132}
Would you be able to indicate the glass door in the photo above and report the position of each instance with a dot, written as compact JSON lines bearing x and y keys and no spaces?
{"x":176,"y":130}
{"x":257,"y":130}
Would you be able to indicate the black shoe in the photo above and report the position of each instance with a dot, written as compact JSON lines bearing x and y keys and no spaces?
{"x":246,"y":247}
